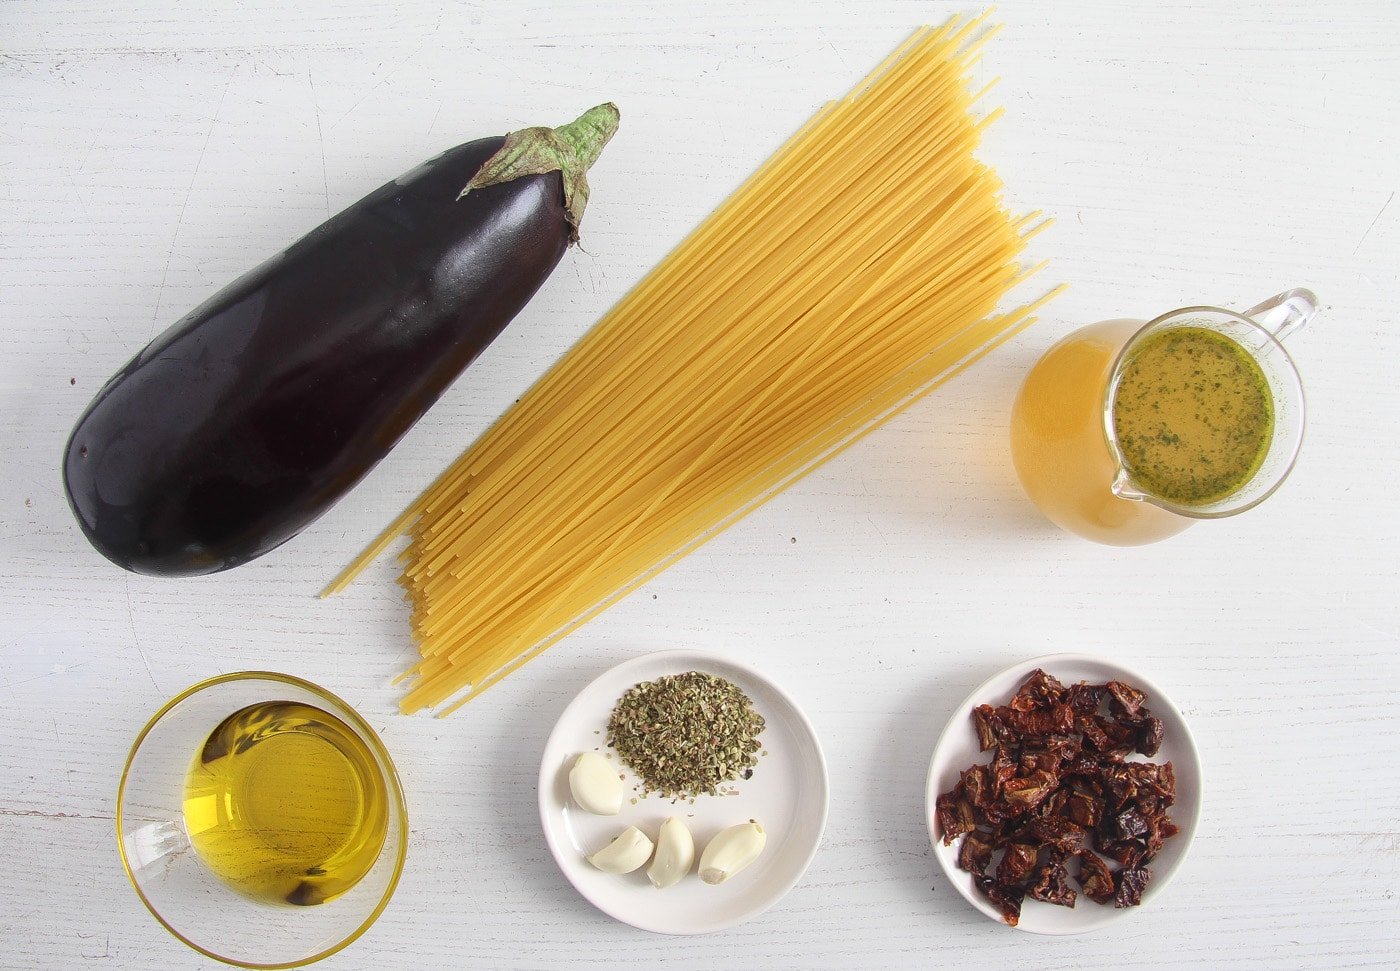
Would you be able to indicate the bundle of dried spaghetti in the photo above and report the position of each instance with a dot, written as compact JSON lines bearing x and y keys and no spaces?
{"x":860,"y":267}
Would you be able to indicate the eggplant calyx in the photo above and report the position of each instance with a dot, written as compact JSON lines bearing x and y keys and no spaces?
{"x":569,"y":149}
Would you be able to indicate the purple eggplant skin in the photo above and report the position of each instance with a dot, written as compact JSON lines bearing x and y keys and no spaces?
{"x":247,"y":419}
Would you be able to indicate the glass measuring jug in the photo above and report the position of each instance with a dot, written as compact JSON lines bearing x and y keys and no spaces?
{"x":1091,"y":471}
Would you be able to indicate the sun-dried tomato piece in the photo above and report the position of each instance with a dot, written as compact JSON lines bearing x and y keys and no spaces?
{"x":1131,"y":883}
{"x":1092,"y":731}
{"x":1129,"y":853}
{"x":1084,"y":809}
{"x":975,"y":854}
{"x":998,"y":813}
{"x":1005,"y":899}
{"x":975,"y":785}
{"x":1063,"y":747}
{"x":1124,"y":699}
{"x":1137,"y":781}
{"x":1111,"y":738}
{"x":1094,"y":877}
{"x":1087,"y":769}
{"x":1039,"y":690}
{"x":1161,"y":778}
{"x":955,"y":817}
{"x":1055,"y":831}
{"x":985,"y":722}
{"x":1149,"y":736}
{"x":1057,"y":720}
{"x":1038,"y":762}
{"x":1152,"y":842}
{"x":1051,"y":884}
{"x":1028,"y":791}
{"x":1017,"y":863}
{"x":1129,"y":824}
{"x":1084,"y":698}
{"x":1149,"y":805}
{"x":1002,"y":768}
{"x":1055,"y":805}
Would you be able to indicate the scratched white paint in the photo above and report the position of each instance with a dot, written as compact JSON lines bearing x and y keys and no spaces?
{"x":1191,"y":153}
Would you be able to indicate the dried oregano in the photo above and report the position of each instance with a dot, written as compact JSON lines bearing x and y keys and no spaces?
{"x":685,"y":734}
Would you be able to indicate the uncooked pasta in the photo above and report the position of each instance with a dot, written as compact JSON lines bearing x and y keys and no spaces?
{"x":855,"y":271}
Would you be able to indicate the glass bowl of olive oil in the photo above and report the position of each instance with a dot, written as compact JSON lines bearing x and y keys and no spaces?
{"x":261,"y":821}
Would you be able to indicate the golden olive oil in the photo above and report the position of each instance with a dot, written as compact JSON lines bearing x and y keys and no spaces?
{"x":1193,"y":416}
{"x":286,"y":804}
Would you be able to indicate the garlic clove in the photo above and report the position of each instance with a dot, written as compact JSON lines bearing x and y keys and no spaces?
{"x":628,"y":851}
{"x":675,"y":853}
{"x":596,"y":786}
{"x":731,"y":850}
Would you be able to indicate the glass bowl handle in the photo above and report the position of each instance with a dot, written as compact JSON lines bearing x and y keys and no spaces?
{"x":154,"y":843}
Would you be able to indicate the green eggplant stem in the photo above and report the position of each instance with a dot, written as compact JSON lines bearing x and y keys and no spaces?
{"x":569,"y":149}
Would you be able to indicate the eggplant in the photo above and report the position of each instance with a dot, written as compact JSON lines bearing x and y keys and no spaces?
{"x":247,"y":419}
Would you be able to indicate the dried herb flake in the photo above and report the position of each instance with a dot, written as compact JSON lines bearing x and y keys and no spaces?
{"x":686,"y":734}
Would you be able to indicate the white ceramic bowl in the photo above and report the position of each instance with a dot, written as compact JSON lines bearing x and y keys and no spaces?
{"x":788,"y":795}
{"x":957,"y":750}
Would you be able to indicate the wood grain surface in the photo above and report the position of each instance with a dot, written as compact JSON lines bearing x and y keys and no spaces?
{"x":1191,"y":153}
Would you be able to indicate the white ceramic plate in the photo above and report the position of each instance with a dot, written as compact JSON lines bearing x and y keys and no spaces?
{"x":787,"y":795}
{"x":957,"y":750}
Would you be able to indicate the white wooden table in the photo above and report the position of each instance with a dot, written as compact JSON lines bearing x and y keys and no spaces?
{"x":1204,"y":153}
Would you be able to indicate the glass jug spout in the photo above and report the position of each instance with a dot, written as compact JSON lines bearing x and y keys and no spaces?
{"x":1124,"y":488}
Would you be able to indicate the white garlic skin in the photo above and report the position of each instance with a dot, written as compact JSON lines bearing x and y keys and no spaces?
{"x":628,"y":851}
{"x":596,"y":785}
{"x":731,"y":851}
{"x":675,"y":854}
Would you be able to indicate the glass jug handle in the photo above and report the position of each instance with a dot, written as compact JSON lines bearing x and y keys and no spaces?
{"x":1286,"y":312}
